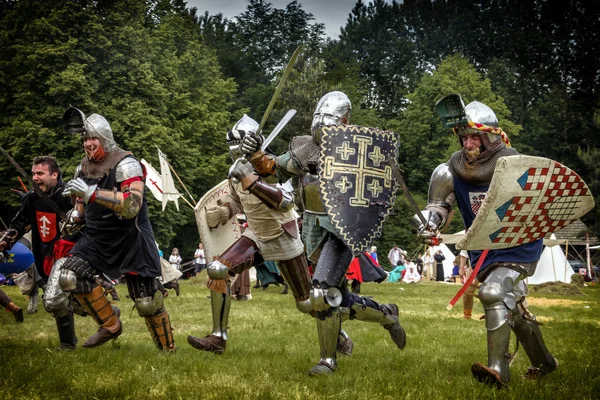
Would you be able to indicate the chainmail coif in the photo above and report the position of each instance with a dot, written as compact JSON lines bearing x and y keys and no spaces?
{"x":481,"y":170}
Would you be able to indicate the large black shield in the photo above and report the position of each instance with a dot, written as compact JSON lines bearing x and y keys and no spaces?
{"x":356,"y":181}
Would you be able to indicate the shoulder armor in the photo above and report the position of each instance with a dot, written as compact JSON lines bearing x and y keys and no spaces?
{"x":128,"y":168}
{"x":440,"y":186}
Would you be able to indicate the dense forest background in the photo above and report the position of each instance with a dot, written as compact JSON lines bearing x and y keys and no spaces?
{"x":166,"y":75}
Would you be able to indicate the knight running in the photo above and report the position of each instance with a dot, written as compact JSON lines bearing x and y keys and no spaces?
{"x":109,"y":192}
{"x":272,"y":234}
{"x":465,"y":179}
{"x":329,"y":298}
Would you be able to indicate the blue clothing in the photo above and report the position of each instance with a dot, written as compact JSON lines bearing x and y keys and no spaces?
{"x":396,"y":274}
{"x":470,"y":197}
{"x":455,"y":270}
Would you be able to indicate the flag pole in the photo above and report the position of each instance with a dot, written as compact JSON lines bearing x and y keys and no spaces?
{"x":180,"y":181}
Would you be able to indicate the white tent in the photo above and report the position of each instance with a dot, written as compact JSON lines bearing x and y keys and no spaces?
{"x":448,"y":262}
{"x":553,"y":266}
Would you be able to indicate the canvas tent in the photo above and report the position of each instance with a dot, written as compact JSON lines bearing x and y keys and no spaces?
{"x":553,"y":266}
{"x":448,"y":262}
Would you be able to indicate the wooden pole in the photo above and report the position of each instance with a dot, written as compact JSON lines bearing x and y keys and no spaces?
{"x":180,"y":181}
{"x":566,"y":258}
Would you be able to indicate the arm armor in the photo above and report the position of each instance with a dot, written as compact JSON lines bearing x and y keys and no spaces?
{"x":263,"y":164}
{"x":441,"y":195}
{"x":273,"y":196}
{"x":8,"y":238}
{"x":126,"y":203}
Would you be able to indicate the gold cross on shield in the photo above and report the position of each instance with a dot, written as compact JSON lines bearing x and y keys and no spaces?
{"x":360,"y":170}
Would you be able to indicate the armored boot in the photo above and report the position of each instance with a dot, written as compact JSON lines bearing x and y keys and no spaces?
{"x":66,"y":332}
{"x":217,"y":341}
{"x":34,"y":297}
{"x":497,"y":372}
{"x":97,"y":305}
{"x":329,"y":325}
{"x":384,"y":314}
{"x":161,"y":331}
{"x":528,"y":333}
{"x":345,"y":344}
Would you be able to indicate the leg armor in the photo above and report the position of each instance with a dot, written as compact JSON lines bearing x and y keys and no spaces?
{"x":367,"y":310}
{"x":498,"y":298}
{"x":54,"y":300}
{"x":295,"y":273}
{"x":239,"y":257}
{"x":34,"y":297}
{"x":149,"y":302}
{"x":325,"y":298}
{"x":528,"y":333}
{"x":78,"y":275}
{"x":66,"y":332}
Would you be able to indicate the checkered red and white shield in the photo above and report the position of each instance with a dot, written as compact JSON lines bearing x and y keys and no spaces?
{"x":528,"y":199}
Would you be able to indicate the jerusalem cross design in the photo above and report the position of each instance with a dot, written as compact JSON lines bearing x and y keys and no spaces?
{"x":356,"y":181}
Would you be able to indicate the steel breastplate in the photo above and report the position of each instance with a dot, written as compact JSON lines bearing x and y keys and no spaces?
{"x":310,"y":194}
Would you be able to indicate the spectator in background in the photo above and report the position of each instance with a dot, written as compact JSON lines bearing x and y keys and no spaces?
{"x":419,"y":263}
{"x":428,"y":263}
{"x":199,"y":259}
{"x":411,"y":275}
{"x":175,"y":259}
{"x":373,"y":254}
{"x":395,"y":255}
{"x":439,"y":270}
{"x":396,"y":274}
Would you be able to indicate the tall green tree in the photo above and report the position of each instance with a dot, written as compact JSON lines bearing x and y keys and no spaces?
{"x":140,"y":64}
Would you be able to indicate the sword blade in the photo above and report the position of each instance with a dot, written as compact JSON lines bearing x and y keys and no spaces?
{"x":279,"y":88}
{"x":35,"y":186}
{"x":286,"y":118}
{"x":411,"y":200}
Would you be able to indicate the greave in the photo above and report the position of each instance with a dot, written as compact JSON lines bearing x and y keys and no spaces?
{"x":295,"y":273}
{"x":498,"y":338}
{"x":369,"y":314}
{"x":329,"y":325}
{"x":161,"y":331}
{"x":34,"y":297}
{"x":221,"y":304}
{"x":528,"y":333}
{"x":97,"y":305}
{"x":66,"y":330}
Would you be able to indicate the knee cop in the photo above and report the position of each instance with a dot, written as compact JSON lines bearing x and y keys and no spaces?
{"x":144,"y":291}
{"x":217,"y":270}
{"x":77,"y":275}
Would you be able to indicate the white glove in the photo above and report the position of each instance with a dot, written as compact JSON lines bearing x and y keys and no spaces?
{"x":78,"y":187}
{"x":251,"y":143}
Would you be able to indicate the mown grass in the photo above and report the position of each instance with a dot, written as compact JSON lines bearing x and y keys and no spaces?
{"x":272,"y":346}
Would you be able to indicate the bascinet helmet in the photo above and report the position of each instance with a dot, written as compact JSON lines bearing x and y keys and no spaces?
{"x":94,"y":126}
{"x":245,"y":126}
{"x":333,"y":109}
{"x":480,"y":113}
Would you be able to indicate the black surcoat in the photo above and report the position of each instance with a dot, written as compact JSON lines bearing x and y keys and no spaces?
{"x":114,"y":245}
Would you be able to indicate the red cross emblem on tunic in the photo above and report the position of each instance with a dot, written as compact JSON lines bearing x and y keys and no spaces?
{"x":46,"y":224}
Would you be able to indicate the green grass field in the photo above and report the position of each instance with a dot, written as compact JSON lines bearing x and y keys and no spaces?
{"x":272,"y":346}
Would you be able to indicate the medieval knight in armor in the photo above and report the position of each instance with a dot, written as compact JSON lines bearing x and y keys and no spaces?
{"x":272,"y":234}
{"x":118,"y":239}
{"x":329,"y":297}
{"x":465,"y":179}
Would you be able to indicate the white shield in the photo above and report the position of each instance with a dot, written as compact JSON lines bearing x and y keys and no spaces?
{"x":528,"y":199}
{"x":216,"y":240}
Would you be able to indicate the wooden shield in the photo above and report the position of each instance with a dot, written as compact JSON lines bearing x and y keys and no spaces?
{"x":216,"y":240}
{"x":528,"y":199}
{"x":356,"y":181}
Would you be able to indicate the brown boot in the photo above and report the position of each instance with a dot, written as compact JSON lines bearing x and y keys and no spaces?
{"x":16,"y":311}
{"x":467,"y":313}
{"x":97,"y":305}
{"x":487,"y":375}
{"x":212,"y":343}
{"x":160,"y":329}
